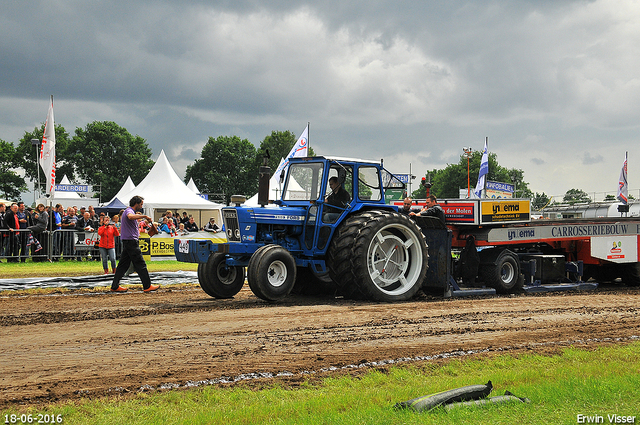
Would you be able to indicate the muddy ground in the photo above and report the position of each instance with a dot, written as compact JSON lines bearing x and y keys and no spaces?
{"x":94,"y":344}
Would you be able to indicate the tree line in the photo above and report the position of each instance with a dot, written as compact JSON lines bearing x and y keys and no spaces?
{"x":103,"y":154}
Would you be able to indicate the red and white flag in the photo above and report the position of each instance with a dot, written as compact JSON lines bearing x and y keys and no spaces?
{"x":623,"y":187}
{"x":48,"y":151}
{"x":299,"y":149}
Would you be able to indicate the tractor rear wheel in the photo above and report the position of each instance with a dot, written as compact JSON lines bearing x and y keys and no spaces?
{"x":389,"y":259}
{"x":341,"y":250}
{"x":272,"y":272}
{"x":220,"y":280}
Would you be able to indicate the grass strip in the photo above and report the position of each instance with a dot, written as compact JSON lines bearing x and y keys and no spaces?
{"x":80,"y":268}
{"x":598,"y":382}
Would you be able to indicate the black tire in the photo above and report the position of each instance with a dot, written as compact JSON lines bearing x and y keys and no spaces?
{"x":631,"y":274}
{"x":310,"y":283}
{"x":503,"y":275}
{"x":272,"y":273}
{"x":220,"y":280}
{"x":252,"y":273}
{"x":202,"y":276}
{"x":341,"y":249}
{"x":389,"y":259}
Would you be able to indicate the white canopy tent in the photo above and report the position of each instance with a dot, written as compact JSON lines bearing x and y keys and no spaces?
{"x":192,"y":185}
{"x":275,"y":189}
{"x":163,"y":190}
{"x":127,"y":187}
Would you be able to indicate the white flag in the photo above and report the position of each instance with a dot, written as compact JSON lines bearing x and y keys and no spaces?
{"x":623,"y":187}
{"x":299,"y":149}
{"x":484,"y":170}
{"x":48,"y":151}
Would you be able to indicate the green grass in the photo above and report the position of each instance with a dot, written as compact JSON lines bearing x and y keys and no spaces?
{"x":600,"y":382}
{"x":79,"y":268}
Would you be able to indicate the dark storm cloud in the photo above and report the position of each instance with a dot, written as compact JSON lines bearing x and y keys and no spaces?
{"x":412,"y":82}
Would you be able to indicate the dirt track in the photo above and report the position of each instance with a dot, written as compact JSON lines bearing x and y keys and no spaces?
{"x":95,"y":344}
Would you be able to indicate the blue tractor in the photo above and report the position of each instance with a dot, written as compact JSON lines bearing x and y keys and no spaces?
{"x":331,"y":229}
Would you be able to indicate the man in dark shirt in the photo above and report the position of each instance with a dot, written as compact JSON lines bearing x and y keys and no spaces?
{"x":406,"y":206}
{"x":432,"y":209}
{"x":338,"y":197}
{"x":191,"y":225}
{"x":12,"y":244}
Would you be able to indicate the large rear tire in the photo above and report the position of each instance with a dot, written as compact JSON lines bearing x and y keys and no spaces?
{"x":341,"y":250}
{"x":389,"y":258}
{"x":220,"y":280}
{"x":503,"y":274}
{"x":272,"y":273}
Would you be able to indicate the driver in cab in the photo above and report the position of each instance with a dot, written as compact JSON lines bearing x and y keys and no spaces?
{"x":338,"y":197}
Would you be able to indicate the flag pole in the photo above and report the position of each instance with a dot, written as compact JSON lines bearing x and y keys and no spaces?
{"x":484,"y":189}
{"x":308,"y":138}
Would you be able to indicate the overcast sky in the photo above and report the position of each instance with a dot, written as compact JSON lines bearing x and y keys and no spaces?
{"x":555,"y":85}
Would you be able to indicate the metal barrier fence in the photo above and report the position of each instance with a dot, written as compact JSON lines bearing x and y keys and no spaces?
{"x":20,"y":244}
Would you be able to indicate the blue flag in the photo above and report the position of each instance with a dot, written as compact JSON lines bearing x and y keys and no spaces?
{"x":484,"y":170}
{"x":623,"y":187}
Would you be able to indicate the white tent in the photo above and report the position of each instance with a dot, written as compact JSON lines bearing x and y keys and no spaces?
{"x":127,"y":187}
{"x":163,"y":190}
{"x":192,"y":185}
{"x":275,"y":189}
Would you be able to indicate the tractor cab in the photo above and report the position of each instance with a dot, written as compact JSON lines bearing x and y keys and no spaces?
{"x":330,"y":189}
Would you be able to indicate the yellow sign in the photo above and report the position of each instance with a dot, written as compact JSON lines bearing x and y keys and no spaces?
{"x":164,"y":246}
{"x":496,"y":211}
{"x":145,"y":246}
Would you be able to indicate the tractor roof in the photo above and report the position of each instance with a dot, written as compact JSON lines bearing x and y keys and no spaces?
{"x":334,"y":158}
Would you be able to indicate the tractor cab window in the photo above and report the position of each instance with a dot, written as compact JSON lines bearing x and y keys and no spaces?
{"x":338,"y":193}
{"x":303,"y":182}
{"x":369,"y":184}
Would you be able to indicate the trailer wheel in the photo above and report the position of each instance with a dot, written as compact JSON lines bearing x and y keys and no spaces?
{"x":272,"y":272}
{"x":220,"y":280}
{"x":389,"y":258}
{"x":504,"y":274}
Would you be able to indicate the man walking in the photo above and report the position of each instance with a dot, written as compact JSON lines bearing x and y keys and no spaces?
{"x":131,"y":254}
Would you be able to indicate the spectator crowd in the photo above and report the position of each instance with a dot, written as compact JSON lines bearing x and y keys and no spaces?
{"x":75,"y":233}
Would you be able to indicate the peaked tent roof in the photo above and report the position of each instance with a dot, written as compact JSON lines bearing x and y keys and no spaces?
{"x":162,"y":188}
{"x":192,"y":185}
{"x":127,"y":187}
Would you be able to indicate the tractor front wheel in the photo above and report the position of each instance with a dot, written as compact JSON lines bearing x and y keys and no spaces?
{"x":272,"y":273}
{"x":219,"y":280}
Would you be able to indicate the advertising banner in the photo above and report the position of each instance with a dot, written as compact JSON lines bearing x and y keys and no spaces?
{"x":72,"y":188}
{"x":460,"y":212}
{"x":617,"y":249}
{"x":497,"y":190}
{"x":500,"y":211}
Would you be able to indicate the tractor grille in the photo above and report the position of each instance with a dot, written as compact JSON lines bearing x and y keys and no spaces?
{"x":230,"y":217}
